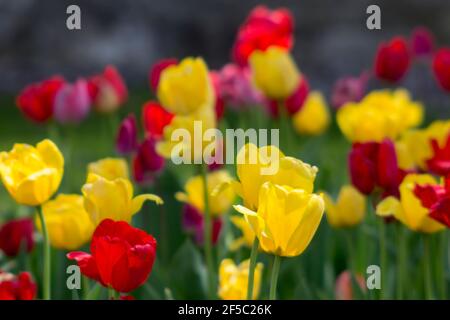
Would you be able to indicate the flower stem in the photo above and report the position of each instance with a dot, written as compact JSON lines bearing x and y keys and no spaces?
{"x":207,"y":241}
{"x":112,"y":294}
{"x":441,"y":266}
{"x":274,"y":278}
{"x":427,"y":267}
{"x":401,"y":262}
{"x":251,"y":271}
{"x":47,"y":262}
{"x":383,"y":258}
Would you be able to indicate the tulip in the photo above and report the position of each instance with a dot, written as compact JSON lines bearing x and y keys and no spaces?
{"x":274,"y":72}
{"x":194,"y":222}
{"x":392,"y":60}
{"x":218,"y":203}
{"x":36,"y":100}
{"x":108,"y":90}
{"x":439,"y":163}
{"x":270,"y":165}
{"x":121,"y":256}
{"x":344,"y":285}
{"x":391,"y":113}
{"x":294,"y":103}
{"x":349,"y":89}
{"x":155,"y":119}
{"x":17,"y":235}
{"x":349,"y":209}
{"x":286,"y":220}
{"x":69,"y":226}
{"x":408,"y":209}
{"x":374,"y":164}
{"x":233,"y":280}
{"x":20,"y":287}
{"x":313,"y":118}
{"x":72,"y":102}
{"x":262,"y":29}
{"x":157,"y":68}
{"x":248,"y":235}
{"x":127,"y":136}
{"x":186,"y":88}
{"x":436,"y":198}
{"x":109,"y":168}
{"x":422,"y":42}
{"x":441,"y":68}
{"x":112,"y":199}
{"x":147,"y":162}
{"x":32,"y":174}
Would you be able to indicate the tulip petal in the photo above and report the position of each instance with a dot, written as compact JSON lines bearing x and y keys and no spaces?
{"x":138,"y":201}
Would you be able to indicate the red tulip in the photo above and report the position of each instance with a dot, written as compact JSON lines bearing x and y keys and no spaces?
{"x":219,"y":104}
{"x":441,"y":68}
{"x":349,"y":89}
{"x":121,"y":256}
{"x":344,"y":285}
{"x":373,"y":165}
{"x":108,"y":90}
{"x":262,"y":29}
{"x":437,"y":199}
{"x":155,"y":119}
{"x":156,"y":69}
{"x":147,"y":162}
{"x":19,"y":287}
{"x":16,"y":235}
{"x":422,"y":42}
{"x":72,"y":102}
{"x":440,"y":162}
{"x":193,"y":222}
{"x":127,"y":136}
{"x":36,"y":100}
{"x":392,"y":60}
{"x":293,"y":103}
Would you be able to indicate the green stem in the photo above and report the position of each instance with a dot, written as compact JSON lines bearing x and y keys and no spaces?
{"x":427,"y":267}
{"x":112,"y":294}
{"x":441,"y":266}
{"x":47,"y":262}
{"x":207,"y":241}
{"x":86,"y":287}
{"x":251,"y":271}
{"x":350,"y":251}
{"x":401,"y":262}
{"x":383,"y":258}
{"x":274,"y":278}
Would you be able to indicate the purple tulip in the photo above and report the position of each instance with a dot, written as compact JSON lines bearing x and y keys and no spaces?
{"x":147,"y":162}
{"x":193,"y":223}
{"x":72,"y":102}
{"x":349,"y":89}
{"x":422,"y":42}
{"x":126,"y":140}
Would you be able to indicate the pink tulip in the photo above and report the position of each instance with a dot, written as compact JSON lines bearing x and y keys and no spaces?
{"x":72,"y":102}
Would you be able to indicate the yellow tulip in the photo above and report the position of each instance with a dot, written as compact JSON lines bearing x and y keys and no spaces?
{"x":409,"y":210}
{"x":32,"y":174}
{"x":68,"y":223}
{"x":233,"y":280}
{"x":112,"y":199}
{"x":381,"y":114}
{"x":313,"y":118}
{"x":186,"y":87}
{"x":218,"y":203}
{"x":348,"y":210}
{"x":274,"y":72}
{"x":248,"y":235}
{"x":255,"y":166}
{"x":110,"y":168}
{"x":286,"y":220}
{"x":414,"y":147}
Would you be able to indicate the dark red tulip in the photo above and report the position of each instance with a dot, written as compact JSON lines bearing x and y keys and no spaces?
{"x":373,"y":165}
{"x":36,"y":100}
{"x":147,"y":162}
{"x":155,"y":119}
{"x":108,"y":90}
{"x":156,"y":69}
{"x":293,"y":103}
{"x":121,"y":256}
{"x":441,"y":68}
{"x":349,"y":89}
{"x":440,"y":162}
{"x":20,"y":287}
{"x":262,"y":29}
{"x":127,"y":136}
{"x":422,"y":42}
{"x":17,"y":235}
{"x":193,"y":222}
{"x":392,"y":60}
{"x":437,"y":199}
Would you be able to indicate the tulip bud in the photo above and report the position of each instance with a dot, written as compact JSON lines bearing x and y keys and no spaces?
{"x":72,"y":102}
{"x":20,"y":287}
{"x":392,"y":60}
{"x":127,"y":136}
{"x":147,"y":162}
{"x":155,"y":119}
{"x":16,"y":235}
{"x":441,"y":68}
{"x":422,"y":42}
{"x":349,"y":89}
